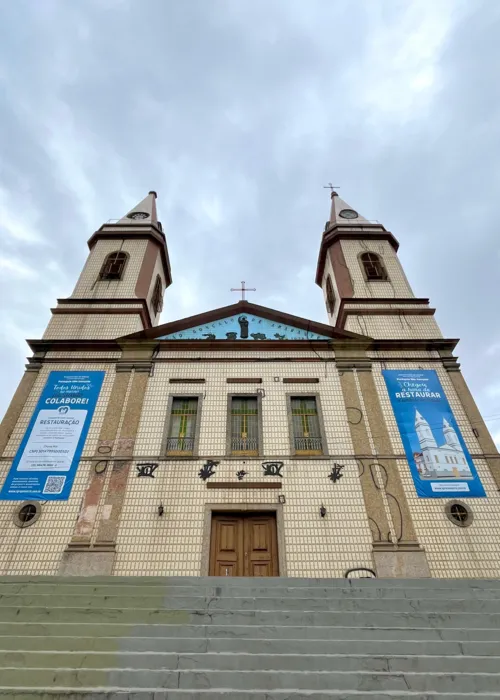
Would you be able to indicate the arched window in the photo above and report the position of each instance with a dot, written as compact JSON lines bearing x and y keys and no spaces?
{"x":113,"y":267}
{"x":373,"y":266}
{"x":330,"y":295}
{"x":157,"y":298}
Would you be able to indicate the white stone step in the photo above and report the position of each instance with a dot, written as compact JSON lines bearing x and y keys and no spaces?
{"x":249,"y":661}
{"x":248,"y":639}
{"x":204,"y":679}
{"x":183,"y":645}
{"x":231,"y":694}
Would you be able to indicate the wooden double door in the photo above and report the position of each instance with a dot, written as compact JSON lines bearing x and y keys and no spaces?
{"x":244,"y":544}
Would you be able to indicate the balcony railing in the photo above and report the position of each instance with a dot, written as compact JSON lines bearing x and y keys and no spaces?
{"x":180,"y":446}
{"x":245,"y":446}
{"x":308,"y":445}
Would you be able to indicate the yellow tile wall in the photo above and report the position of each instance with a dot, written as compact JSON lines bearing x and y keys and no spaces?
{"x":91,"y":326}
{"x":69,"y":354}
{"x":368,"y":305}
{"x":172,"y":545}
{"x":215,"y":390}
{"x":407,"y":354}
{"x":394,"y":327}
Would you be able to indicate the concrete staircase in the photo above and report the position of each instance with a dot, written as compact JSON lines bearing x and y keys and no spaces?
{"x":248,"y":639}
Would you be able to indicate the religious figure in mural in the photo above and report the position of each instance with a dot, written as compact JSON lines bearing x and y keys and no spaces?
{"x":243,"y":321}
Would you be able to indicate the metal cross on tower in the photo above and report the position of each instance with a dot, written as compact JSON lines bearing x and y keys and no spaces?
{"x":243,"y":289}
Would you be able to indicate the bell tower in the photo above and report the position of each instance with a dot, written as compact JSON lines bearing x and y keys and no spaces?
{"x":120,"y":289}
{"x":364,"y":285}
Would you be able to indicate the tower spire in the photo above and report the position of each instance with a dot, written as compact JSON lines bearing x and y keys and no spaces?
{"x":342,"y":213}
{"x":144,"y":212}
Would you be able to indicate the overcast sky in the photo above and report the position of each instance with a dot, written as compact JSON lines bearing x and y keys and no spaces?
{"x":238,"y":112}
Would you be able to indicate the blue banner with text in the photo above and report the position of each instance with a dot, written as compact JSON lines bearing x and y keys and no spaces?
{"x":439,"y":460}
{"x":45,"y":464}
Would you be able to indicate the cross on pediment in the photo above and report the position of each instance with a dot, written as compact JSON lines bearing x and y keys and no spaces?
{"x":243,"y":289}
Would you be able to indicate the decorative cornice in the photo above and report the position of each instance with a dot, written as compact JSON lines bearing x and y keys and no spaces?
{"x":363,"y":364}
{"x":34,"y":364}
{"x":139,"y":351}
{"x":384,"y":300}
{"x":101,"y":300}
{"x":438,"y":344}
{"x":89,"y":301}
{"x":88,"y":310}
{"x":44,"y":345}
{"x":450,"y":364}
{"x":137,"y":366}
{"x":417,"y":311}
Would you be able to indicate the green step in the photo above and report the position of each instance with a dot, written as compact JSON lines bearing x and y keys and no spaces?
{"x":243,"y":591}
{"x":181,"y":638}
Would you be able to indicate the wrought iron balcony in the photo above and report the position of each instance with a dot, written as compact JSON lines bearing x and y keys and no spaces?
{"x":180,"y":446}
{"x":245,"y":445}
{"x":309,"y":445}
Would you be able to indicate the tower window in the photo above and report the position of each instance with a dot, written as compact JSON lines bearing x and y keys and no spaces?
{"x":330,"y":295}
{"x":157,"y":298}
{"x":113,"y":266}
{"x":373,"y":266}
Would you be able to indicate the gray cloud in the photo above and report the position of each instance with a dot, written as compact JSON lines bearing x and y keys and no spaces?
{"x":238,"y":113}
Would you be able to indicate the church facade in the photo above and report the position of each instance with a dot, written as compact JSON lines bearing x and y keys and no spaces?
{"x":245,"y":441}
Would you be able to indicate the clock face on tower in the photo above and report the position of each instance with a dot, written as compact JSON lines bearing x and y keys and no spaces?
{"x":138,"y":215}
{"x":348,"y":214}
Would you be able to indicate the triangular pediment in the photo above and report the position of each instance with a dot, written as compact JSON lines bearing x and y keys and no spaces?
{"x":244,"y":326}
{"x":244,"y":321}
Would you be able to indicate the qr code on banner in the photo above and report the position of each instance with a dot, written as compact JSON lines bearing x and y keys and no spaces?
{"x":54,"y":484}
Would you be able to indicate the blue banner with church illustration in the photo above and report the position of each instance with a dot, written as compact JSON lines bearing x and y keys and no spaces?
{"x":45,"y":464}
{"x":439,"y":460}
